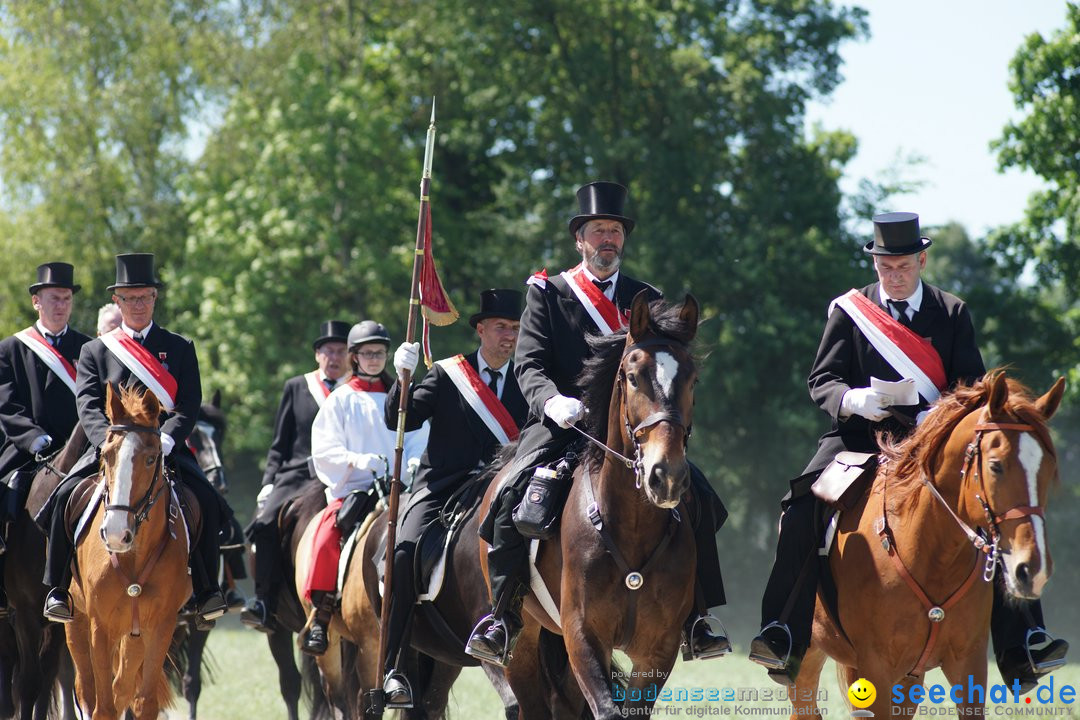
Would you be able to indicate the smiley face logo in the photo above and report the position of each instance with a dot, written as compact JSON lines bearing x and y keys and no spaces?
{"x":862,"y":693}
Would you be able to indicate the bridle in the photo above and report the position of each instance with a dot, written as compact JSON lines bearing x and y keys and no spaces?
{"x":984,"y":540}
{"x":141,"y":510}
{"x":669,"y":415}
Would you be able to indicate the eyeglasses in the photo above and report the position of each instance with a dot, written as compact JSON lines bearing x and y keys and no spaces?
{"x":372,"y":354}
{"x":136,"y":300}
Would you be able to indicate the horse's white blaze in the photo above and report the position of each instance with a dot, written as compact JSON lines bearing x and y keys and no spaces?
{"x":117,"y":521}
{"x":1031,"y":456}
{"x":667,"y":367}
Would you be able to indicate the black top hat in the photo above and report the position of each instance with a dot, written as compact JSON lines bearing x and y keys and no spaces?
{"x":897,"y":233}
{"x":601,"y":201}
{"x":135,"y":270}
{"x":332,"y":331}
{"x":498,"y":303}
{"x":55,"y":274}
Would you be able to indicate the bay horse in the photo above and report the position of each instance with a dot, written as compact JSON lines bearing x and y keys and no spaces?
{"x":961,"y":498}
{"x":132,"y":574}
{"x":38,"y":644}
{"x":620,"y":572}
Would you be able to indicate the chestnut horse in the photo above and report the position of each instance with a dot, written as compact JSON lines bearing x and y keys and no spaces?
{"x":957,"y":501}
{"x":621,"y":569}
{"x":132,"y":574}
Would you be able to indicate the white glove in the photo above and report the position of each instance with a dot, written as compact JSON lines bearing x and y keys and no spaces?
{"x":406,"y":357}
{"x":264,"y":495}
{"x":167,"y":444}
{"x":366,"y":461}
{"x":565,"y":411}
{"x":920,"y":417}
{"x":866,"y":402}
{"x":412,"y":466}
{"x":40,"y":443}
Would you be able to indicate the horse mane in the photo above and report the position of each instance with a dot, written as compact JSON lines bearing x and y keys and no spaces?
{"x":136,"y":408}
{"x":597,"y":378}
{"x":909,"y":458}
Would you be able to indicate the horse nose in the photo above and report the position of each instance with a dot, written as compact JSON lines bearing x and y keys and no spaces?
{"x":126,"y":537}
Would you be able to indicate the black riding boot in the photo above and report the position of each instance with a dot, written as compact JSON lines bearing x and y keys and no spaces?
{"x":317,"y":639}
{"x":701,"y":642}
{"x":398,"y":690}
{"x":259,"y":612}
{"x":59,"y":553}
{"x":494,"y":637}
{"x":1024,"y":651}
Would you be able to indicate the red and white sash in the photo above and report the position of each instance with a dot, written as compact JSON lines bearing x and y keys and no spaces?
{"x":31,"y":338}
{"x":600,"y":309}
{"x":910,"y":355}
{"x":144,"y":366}
{"x":480,"y":398}
{"x":317,"y":387}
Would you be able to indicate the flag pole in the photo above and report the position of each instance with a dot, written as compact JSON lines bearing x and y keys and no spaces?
{"x":403,"y":404}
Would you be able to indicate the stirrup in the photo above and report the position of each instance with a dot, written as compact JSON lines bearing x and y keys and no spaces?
{"x":1045,"y":666}
{"x":486,"y":623}
{"x":408,"y":688}
{"x":688,"y":642}
{"x":768,"y":662}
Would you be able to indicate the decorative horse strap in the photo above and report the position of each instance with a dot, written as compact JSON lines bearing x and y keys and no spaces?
{"x":141,"y":511}
{"x":936,"y":612}
{"x":634,"y":579}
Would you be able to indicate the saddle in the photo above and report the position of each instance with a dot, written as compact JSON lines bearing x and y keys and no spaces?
{"x":84,"y":498}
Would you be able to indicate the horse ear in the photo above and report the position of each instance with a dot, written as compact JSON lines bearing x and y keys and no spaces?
{"x":114,"y":403}
{"x":688,"y":314}
{"x":640,"y":316}
{"x":152,"y":405}
{"x":999,"y":393}
{"x":1048,"y":403}
{"x":216,"y":400}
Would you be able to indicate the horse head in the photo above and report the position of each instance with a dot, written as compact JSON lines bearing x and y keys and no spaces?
{"x":1013,"y":465}
{"x":131,"y":464}
{"x":206,"y":440}
{"x":654,"y":398}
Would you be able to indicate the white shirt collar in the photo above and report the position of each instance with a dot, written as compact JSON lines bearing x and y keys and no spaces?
{"x":914,"y":302}
{"x":41,"y":329}
{"x":131,"y":333}
{"x":482,"y":364}
{"x":614,"y":278}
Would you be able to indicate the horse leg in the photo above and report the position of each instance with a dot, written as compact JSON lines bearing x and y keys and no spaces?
{"x":153,"y":689}
{"x":523,"y":675}
{"x":958,"y":669}
{"x":281,"y":647}
{"x":7,"y":670}
{"x":28,"y":645}
{"x":48,"y":664}
{"x":78,"y":642}
{"x":803,"y":695}
{"x":132,"y":650}
{"x":648,"y":675}
{"x":65,"y":680}
{"x":498,"y":680}
{"x":101,"y":662}
{"x":192,"y":683}
{"x":591,"y":662}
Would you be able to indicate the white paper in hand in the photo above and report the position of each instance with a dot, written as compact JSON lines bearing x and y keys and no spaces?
{"x":902,"y":392}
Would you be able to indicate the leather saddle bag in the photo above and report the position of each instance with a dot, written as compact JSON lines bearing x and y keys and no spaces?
{"x":841,"y":485}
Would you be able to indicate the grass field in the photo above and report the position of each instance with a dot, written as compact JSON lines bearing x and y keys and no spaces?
{"x":245,"y":686}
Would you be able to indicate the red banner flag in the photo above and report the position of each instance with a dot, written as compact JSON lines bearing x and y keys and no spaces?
{"x":435,"y":303}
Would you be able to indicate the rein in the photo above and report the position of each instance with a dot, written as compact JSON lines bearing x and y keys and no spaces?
{"x":140,"y":510}
{"x":978,"y":538}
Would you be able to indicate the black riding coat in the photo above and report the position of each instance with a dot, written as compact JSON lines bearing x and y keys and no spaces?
{"x":33,"y":400}
{"x":458,"y":441}
{"x":846,"y":359}
{"x":287,"y":460}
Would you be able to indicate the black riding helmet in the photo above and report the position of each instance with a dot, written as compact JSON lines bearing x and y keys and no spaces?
{"x":368,"y":331}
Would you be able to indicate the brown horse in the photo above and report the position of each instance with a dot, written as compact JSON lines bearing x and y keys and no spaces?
{"x":621,"y":570}
{"x":913,"y":563}
{"x":132,"y":570}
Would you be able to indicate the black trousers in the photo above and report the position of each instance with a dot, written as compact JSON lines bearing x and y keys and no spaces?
{"x":204,"y":555}
{"x":265,"y":535}
{"x":508,"y":556}
{"x":796,"y":554}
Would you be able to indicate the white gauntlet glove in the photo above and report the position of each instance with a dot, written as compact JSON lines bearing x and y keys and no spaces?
{"x":867,"y":402}
{"x":264,"y":494}
{"x":565,"y":411}
{"x":406,"y":357}
{"x":40,"y":443}
{"x":167,"y":444}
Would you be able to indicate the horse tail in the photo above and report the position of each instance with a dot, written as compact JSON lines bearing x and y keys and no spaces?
{"x":311,"y":686}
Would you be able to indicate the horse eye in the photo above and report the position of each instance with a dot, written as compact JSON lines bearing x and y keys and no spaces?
{"x":996,"y":467}
{"x":632,"y":379}
{"x":151,"y":460}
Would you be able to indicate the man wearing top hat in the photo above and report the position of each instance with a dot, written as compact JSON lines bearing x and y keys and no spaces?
{"x":37,"y":391}
{"x":474,"y":405}
{"x":839,"y":383}
{"x":288,"y":470}
{"x":113,"y":359}
{"x":559,"y":313}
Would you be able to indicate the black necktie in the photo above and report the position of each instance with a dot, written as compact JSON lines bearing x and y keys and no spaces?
{"x":54,"y":340}
{"x":901,"y":307}
{"x":329,"y":382}
{"x":602,"y":284}
{"x":137,"y":337}
{"x":494,"y":382}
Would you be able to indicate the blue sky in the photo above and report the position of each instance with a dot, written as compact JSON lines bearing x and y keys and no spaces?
{"x":932,"y":81}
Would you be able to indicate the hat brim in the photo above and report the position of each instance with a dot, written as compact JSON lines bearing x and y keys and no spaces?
{"x":328,"y":338}
{"x":136,"y":285}
{"x":474,"y":319}
{"x":874,"y":249}
{"x":41,"y":286}
{"x":578,"y":220}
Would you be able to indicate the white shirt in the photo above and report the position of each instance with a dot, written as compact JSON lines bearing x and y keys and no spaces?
{"x":610,"y":292}
{"x":349,"y":441}
{"x":482,"y":364}
{"x":914,"y":302}
{"x":45,"y":333}
{"x":131,"y":333}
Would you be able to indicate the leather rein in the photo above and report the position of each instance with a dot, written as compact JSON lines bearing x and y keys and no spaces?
{"x":984,"y":541}
{"x":141,"y":511}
